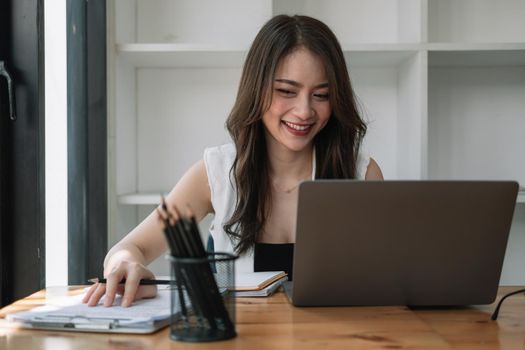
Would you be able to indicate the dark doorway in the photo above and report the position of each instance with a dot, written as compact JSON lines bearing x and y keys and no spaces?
{"x":22,"y":229}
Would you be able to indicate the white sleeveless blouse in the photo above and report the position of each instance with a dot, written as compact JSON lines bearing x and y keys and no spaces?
{"x":218,"y":162}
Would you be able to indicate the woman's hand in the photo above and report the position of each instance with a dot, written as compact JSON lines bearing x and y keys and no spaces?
{"x":133,"y":272}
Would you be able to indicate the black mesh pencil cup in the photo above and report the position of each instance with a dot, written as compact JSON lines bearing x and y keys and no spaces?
{"x":202,"y":301}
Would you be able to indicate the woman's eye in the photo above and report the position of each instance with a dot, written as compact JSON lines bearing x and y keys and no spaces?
{"x":322,"y":96}
{"x":285,"y":92}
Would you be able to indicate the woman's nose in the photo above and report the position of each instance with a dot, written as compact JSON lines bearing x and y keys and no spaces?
{"x":303,"y":108}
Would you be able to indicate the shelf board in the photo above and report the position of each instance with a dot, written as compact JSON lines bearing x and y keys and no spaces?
{"x":181,"y":55}
{"x":152,"y":198}
{"x":149,"y":198}
{"x":452,"y":46}
{"x":151,"y":55}
{"x":476,"y":55}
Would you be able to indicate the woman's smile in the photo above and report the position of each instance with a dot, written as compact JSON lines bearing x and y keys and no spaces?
{"x":298,"y":129}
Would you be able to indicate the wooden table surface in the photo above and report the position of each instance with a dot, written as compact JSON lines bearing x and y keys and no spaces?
{"x":272,"y":323}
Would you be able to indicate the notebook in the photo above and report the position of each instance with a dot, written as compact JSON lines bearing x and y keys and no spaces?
{"x":250,"y":281}
{"x":419,"y":243}
{"x":258,"y":284}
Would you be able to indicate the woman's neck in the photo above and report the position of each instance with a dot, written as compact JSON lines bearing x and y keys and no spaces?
{"x":289,"y":166}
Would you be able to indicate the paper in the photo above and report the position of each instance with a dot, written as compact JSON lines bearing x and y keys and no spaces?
{"x":72,"y":308}
{"x":144,"y":312}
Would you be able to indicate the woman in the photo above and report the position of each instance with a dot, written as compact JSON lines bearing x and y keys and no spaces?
{"x":295,"y":118}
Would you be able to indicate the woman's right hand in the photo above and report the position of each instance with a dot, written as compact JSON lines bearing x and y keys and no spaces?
{"x":146,"y":242}
{"x":133,"y":272}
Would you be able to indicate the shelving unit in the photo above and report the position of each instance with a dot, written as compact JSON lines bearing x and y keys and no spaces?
{"x":440,"y":82}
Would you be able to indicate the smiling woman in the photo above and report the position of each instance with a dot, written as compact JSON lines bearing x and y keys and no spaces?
{"x":294,"y":118}
{"x":302,"y":124}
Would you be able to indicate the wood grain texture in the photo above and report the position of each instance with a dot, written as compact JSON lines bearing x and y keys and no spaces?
{"x":272,"y":323}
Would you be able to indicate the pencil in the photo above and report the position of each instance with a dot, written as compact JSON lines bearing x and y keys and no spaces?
{"x":143,"y":282}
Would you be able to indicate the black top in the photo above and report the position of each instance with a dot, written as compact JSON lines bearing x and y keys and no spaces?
{"x":273,"y":257}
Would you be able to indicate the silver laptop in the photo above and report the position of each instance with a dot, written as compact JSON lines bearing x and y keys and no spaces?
{"x":418,"y":243}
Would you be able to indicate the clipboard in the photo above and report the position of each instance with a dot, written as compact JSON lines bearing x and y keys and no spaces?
{"x":100,"y":325}
{"x":69,"y":314}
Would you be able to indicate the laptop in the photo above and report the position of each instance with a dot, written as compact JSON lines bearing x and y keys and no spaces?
{"x":416,"y":243}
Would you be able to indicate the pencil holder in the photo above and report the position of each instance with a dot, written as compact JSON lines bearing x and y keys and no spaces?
{"x":202,"y":301}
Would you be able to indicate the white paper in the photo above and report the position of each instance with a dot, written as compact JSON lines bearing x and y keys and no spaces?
{"x":72,"y":308}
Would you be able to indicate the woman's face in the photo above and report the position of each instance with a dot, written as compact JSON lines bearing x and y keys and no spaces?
{"x":300,"y":105}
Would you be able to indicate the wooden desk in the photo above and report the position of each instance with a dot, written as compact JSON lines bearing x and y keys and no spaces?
{"x":272,"y":323}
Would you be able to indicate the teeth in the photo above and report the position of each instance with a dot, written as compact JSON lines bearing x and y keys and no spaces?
{"x":297,"y":127}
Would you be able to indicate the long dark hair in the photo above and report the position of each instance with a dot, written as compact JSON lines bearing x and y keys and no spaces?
{"x":336,"y":145}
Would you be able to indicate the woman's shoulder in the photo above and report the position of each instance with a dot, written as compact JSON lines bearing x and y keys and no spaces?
{"x":218,"y":161}
{"x":362,"y":162}
{"x":226,"y":150}
{"x":367,"y":168}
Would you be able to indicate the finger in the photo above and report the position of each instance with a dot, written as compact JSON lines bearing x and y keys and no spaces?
{"x":176,"y":213}
{"x":162,"y":215}
{"x":132,"y":287}
{"x":164,"y":207}
{"x":113,"y":284}
{"x":97,"y":294}
{"x":89,"y":292}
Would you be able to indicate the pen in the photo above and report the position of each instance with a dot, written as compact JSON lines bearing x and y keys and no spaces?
{"x":142,"y":281}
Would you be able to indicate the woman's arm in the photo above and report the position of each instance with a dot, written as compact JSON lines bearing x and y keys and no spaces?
{"x":128,"y":258}
{"x":373,"y":172}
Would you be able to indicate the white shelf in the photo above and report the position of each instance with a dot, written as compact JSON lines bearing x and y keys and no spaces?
{"x":440,"y":84}
{"x":476,"y":55}
{"x":159,"y":55}
{"x":475,"y":46}
{"x":181,"y":55}
{"x":150,"y":198}
{"x":359,"y":55}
